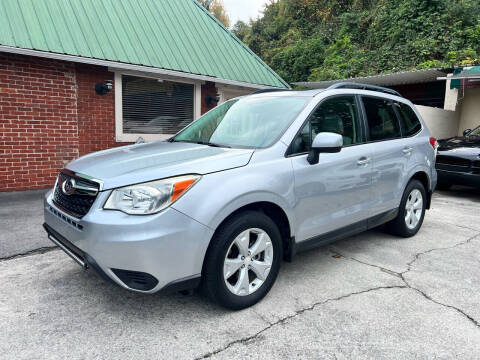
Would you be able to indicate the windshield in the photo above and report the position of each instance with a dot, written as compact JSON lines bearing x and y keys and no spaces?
{"x":253,"y":122}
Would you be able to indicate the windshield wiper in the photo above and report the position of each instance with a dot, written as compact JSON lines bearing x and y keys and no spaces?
{"x":202,"y":143}
{"x":212,"y":144}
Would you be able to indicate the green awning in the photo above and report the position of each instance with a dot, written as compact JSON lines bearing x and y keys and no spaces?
{"x":471,"y":72}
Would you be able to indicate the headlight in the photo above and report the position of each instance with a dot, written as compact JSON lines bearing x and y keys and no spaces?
{"x":151,"y":197}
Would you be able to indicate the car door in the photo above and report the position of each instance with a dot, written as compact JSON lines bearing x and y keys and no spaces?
{"x":336,"y":192}
{"x":414,"y":145}
{"x":390,"y":153}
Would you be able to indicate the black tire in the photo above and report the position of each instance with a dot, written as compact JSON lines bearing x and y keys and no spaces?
{"x":443,"y":186}
{"x":213,"y":279}
{"x":398,"y":226}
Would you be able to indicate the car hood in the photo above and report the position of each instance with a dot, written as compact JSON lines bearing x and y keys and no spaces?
{"x":459,"y":142}
{"x":139,"y":163}
{"x":466,"y":147}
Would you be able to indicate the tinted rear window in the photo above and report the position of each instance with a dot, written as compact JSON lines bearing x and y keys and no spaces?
{"x":382,"y":121}
{"x":411,"y":124}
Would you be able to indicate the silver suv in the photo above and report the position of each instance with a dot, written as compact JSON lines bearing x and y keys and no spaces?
{"x":249,"y":184}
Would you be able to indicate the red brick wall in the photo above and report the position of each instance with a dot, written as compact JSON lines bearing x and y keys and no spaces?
{"x":38,"y":126}
{"x":96,"y":114}
{"x":50,"y":114}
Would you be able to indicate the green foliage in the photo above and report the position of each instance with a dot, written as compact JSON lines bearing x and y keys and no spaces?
{"x":241,"y":29}
{"x":342,"y":60}
{"x":217,"y":9}
{"x":296,"y":60}
{"x":326,"y":39}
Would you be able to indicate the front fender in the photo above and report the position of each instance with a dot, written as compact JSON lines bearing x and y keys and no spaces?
{"x":250,"y":198}
{"x":218,"y":195}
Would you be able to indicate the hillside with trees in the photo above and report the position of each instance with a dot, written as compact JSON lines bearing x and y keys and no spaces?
{"x":312,"y":40}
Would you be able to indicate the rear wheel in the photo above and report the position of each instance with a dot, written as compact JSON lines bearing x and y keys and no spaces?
{"x":243,"y":260}
{"x":411,"y":211}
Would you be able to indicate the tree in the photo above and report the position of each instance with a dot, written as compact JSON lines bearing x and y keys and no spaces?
{"x":241,"y":29}
{"x":333,"y":39}
{"x":217,"y":9}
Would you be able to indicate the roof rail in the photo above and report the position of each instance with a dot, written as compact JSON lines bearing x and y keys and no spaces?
{"x":354,"y":85}
{"x":267,"y":91}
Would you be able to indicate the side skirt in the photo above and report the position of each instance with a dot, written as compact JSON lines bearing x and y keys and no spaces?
{"x":342,"y":233}
{"x":382,"y":218}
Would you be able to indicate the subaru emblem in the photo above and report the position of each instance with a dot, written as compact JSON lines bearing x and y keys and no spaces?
{"x":68,"y":187}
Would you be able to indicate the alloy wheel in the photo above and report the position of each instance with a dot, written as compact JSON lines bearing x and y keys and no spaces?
{"x":413,"y":209}
{"x":248,"y":262}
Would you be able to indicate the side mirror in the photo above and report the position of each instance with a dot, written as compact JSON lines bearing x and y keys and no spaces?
{"x":466,"y":132}
{"x":325,"y":142}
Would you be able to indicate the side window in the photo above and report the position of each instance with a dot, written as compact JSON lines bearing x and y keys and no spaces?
{"x":410,"y":123}
{"x":382,"y":121}
{"x":338,"y":115}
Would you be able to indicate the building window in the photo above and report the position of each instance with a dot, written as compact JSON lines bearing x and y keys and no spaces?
{"x":151,"y":108}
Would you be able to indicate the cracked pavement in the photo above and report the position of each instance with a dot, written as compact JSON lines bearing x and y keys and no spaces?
{"x":370,"y":296}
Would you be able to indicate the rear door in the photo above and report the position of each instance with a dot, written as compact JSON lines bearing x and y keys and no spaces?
{"x":411,"y":127}
{"x":390,"y":153}
{"x":336,"y":192}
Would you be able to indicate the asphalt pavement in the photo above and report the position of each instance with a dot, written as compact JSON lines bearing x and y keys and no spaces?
{"x":370,"y":296}
{"x":21,"y":219}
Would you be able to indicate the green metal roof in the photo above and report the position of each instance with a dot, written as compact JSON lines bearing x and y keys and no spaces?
{"x":175,"y":35}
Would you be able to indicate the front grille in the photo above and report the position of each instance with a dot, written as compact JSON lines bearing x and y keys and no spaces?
{"x":451,"y":163}
{"x":65,"y":218}
{"x":79,"y":203}
{"x":476,"y":167}
{"x":451,"y":160}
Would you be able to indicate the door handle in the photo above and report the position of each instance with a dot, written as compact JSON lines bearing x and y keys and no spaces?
{"x":363,"y":161}
{"x":407,"y":150}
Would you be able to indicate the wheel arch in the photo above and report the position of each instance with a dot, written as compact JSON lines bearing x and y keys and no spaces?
{"x":275,"y":212}
{"x":423,"y":177}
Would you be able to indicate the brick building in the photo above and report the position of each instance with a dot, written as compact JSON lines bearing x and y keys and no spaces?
{"x":86,"y":75}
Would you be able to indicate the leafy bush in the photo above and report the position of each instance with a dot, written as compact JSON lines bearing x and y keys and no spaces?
{"x":326,"y":39}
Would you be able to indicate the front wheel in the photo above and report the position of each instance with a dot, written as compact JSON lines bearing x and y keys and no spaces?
{"x":243,"y":260}
{"x":411,"y":211}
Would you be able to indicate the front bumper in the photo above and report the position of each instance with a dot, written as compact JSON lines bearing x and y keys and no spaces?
{"x":458,"y":178}
{"x":80,"y":257}
{"x":169,"y":246}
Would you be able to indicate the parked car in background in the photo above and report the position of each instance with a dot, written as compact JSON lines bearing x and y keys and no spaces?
{"x":458,"y":160}
{"x":248,"y":184}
